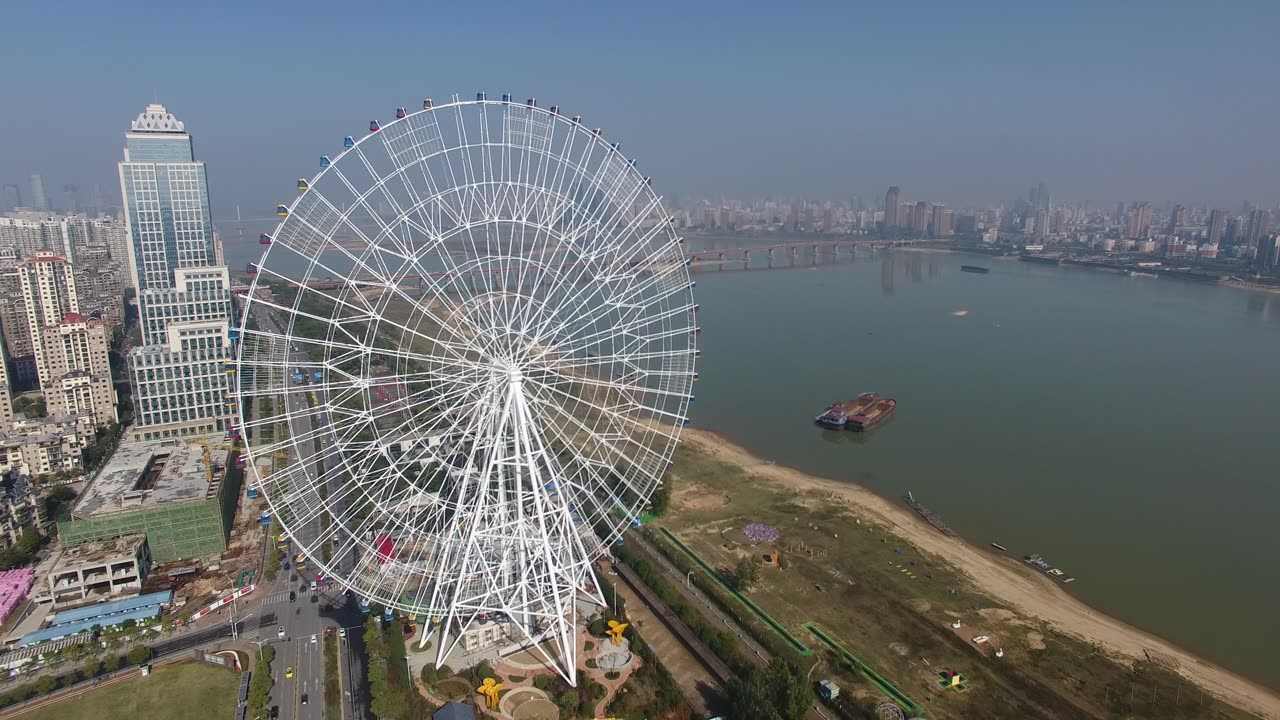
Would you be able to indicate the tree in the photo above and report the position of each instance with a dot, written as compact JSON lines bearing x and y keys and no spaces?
{"x":139,"y":654}
{"x":746,"y":574}
{"x":90,"y":668}
{"x":46,"y":684}
{"x":779,"y":692}
{"x":112,"y":662}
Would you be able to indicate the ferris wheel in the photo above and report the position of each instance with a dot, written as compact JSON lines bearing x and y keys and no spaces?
{"x":467,"y":355}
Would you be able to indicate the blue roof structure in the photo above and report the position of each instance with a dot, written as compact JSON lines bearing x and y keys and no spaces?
{"x":113,"y":607}
{"x":455,"y":711}
{"x":105,"y":614}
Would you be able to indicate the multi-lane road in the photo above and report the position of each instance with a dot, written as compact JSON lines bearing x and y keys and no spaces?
{"x":302,"y":617}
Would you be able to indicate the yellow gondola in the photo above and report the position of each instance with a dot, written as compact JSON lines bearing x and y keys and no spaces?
{"x":303,"y":185}
{"x":282,"y":211}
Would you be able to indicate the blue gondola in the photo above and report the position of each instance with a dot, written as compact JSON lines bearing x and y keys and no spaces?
{"x":373,"y":126}
{"x":400,"y":113}
{"x":555,"y":109}
{"x":324,"y":161}
{"x":348,"y":142}
{"x":531,"y":102}
{"x":233,"y":332}
{"x":597,"y":131}
{"x":577,"y":119}
{"x":480,"y":96}
{"x":282,"y":211}
{"x":264,"y":239}
{"x":426,"y":103}
{"x":506,"y":97}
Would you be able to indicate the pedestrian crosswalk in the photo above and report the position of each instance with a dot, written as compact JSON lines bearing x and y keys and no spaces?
{"x":276,"y":597}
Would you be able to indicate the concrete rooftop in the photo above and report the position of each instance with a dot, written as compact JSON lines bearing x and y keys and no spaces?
{"x":144,"y":475}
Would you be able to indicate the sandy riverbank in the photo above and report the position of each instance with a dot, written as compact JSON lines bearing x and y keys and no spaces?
{"x":1007,"y":580}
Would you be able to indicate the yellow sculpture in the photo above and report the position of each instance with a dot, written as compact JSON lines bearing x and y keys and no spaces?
{"x":489,"y":689}
{"x":615,"y":631}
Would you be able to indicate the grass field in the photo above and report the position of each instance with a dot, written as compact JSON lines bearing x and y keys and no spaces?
{"x":893,"y":606}
{"x":187,"y":691}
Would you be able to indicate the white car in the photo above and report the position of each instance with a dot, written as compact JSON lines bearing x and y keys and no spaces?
{"x":280,"y":632}
{"x":313,"y":638}
{"x":342,"y":632}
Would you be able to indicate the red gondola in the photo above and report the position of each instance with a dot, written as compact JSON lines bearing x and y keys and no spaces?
{"x":264,"y":239}
{"x":400,"y":113}
{"x":251,"y":269}
{"x":373,"y":126}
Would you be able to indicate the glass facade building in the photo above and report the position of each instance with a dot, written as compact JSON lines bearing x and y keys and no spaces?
{"x":179,"y":377}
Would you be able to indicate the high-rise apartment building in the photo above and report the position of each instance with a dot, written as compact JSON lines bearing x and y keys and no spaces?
{"x":941,"y":224}
{"x":179,"y":377}
{"x":70,"y":350}
{"x":76,"y":361}
{"x":1139,"y":225}
{"x":1177,"y":219}
{"x":921,"y":213}
{"x":1256,"y":226}
{"x":48,"y":295}
{"x":1217,"y":226}
{"x":891,"y":202}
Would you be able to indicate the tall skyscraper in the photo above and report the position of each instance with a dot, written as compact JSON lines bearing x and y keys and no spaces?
{"x":891,"y":201}
{"x":48,"y":295}
{"x":941,"y":222}
{"x":921,"y":213}
{"x":180,"y":385}
{"x":1177,"y":218}
{"x":1217,"y":226}
{"x":39,"y":198}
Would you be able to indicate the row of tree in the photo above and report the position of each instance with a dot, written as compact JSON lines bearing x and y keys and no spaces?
{"x":262,"y":682}
{"x":393,"y":694}
{"x":92,"y":668}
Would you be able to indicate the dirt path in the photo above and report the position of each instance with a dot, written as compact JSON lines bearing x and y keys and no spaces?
{"x":1006,"y":580}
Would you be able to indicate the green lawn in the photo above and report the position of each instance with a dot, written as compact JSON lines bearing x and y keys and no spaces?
{"x":187,"y":691}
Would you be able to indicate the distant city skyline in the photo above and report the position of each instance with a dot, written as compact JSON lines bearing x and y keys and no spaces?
{"x":1103,"y":102}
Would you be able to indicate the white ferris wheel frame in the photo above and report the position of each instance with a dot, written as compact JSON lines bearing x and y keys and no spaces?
{"x":563,"y":447}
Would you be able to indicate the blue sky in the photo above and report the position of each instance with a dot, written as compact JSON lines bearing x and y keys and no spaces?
{"x":958,"y":102}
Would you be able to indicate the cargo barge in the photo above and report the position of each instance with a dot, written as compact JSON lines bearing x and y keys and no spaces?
{"x":837,"y":415}
{"x":881,"y":410}
{"x":975,"y":269}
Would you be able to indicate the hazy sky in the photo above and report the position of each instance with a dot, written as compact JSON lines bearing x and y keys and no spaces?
{"x":957,"y":102}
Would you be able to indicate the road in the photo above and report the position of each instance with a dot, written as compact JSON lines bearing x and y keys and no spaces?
{"x":311,"y":613}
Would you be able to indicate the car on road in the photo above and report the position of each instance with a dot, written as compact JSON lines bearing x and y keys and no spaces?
{"x":280,"y":632}
{"x":292,"y":596}
{"x":313,"y":586}
{"x":342,"y":632}
{"x":313,"y":638}
{"x":304,"y":698}
{"x":275,"y":712}
{"x":288,"y":673}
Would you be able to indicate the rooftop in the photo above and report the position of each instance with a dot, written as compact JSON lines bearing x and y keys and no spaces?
{"x":148,"y":474}
{"x":100,"y":550}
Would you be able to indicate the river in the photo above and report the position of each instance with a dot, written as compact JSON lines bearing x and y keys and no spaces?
{"x":1123,"y":427}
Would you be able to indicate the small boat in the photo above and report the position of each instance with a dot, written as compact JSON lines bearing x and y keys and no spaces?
{"x":837,"y":415}
{"x":975,"y":269}
{"x":999,"y":547}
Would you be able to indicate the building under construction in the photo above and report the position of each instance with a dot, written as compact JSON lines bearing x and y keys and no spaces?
{"x":175,"y":492}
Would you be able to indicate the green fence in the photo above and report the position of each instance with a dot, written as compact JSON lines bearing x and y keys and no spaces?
{"x":174,"y":532}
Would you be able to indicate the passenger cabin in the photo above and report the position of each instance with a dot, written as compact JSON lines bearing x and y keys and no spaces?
{"x":348,"y":142}
{"x":324,"y":161}
{"x":264,"y":239}
{"x":303,"y":185}
{"x":426,"y":104}
{"x":282,"y":211}
{"x":373,"y":126}
{"x":400,"y":113}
